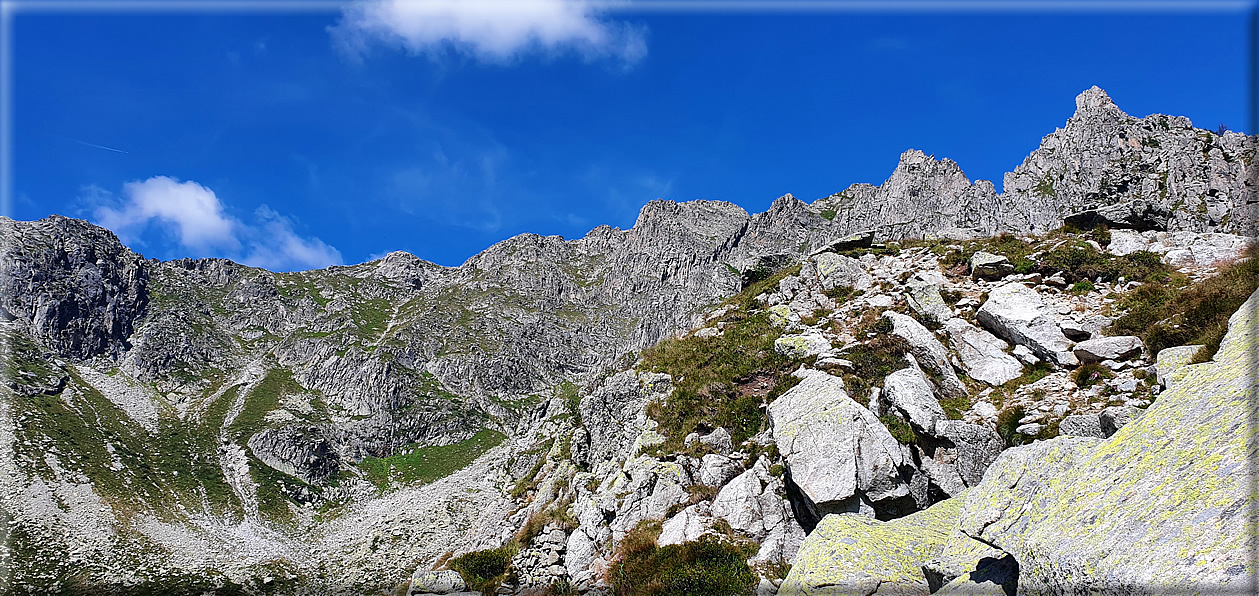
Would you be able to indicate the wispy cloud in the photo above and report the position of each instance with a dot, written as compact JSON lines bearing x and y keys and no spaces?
{"x":494,"y":31}
{"x":195,"y":218}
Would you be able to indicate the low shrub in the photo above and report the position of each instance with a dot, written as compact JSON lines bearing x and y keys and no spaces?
{"x":485,"y":570}
{"x":710,"y":566}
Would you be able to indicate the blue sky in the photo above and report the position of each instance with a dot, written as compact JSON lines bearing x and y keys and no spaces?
{"x":299,"y":140}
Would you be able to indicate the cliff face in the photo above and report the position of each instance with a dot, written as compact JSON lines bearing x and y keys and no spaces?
{"x":203,"y":423}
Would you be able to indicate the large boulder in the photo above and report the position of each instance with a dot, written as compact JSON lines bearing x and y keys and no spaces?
{"x":982,"y":354}
{"x":908,"y":391}
{"x":985,"y":265}
{"x":971,"y":447}
{"x":850,"y":242}
{"x":1017,"y":314}
{"x":1164,"y":505}
{"x":929,"y":352}
{"x":834,"y":271}
{"x":443,"y":581}
{"x":803,"y":346}
{"x":1121,"y":347}
{"x":1082,"y":425}
{"x":755,"y":505}
{"x":976,"y":567}
{"x":854,"y":554}
{"x":838,"y":454}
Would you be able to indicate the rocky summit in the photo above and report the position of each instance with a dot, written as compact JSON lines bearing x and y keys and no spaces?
{"x":920,"y":387}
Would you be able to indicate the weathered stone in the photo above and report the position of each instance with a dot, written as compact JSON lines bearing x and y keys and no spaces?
{"x":1171,"y":364}
{"x":973,"y":448}
{"x":1160,"y":506}
{"x":1116,"y":417}
{"x":437,"y":582}
{"x":717,"y":470}
{"x":923,"y":295}
{"x":719,"y":440}
{"x":1082,"y":425}
{"x":1120,"y":347}
{"x":854,"y":554}
{"x":1017,"y":314}
{"x":982,"y":354}
{"x":1074,"y":330}
{"x":837,"y":452}
{"x":755,"y":505}
{"x":802,"y":346}
{"x":850,"y":242}
{"x":963,"y":555}
{"x":1135,"y":215}
{"x":985,"y":265}
{"x":931,"y":355}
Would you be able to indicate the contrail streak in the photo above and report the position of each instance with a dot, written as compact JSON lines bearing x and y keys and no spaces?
{"x":97,"y":146}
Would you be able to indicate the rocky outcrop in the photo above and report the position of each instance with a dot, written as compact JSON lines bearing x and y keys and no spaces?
{"x":73,"y":285}
{"x":1182,"y":249}
{"x":1100,"y":349}
{"x":981,"y":353}
{"x":1163,"y":505}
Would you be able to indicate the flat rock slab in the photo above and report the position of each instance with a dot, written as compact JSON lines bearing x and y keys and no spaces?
{"x":1121,"y":347}
{"x":855,"y":554}
{"x":982,"y":354}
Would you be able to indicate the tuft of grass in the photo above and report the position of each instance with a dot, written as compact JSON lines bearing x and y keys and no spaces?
{"x":873,"y":361}
{"x":954,"y":407}
{"x":1165,"y":315}
{"x":426,"y":464}
{"x":1008,"y":423}
{"x":900,"y":429}
{"x":1090,"y":374}
{"x":710,"y":566}
{"x":828,"y":214}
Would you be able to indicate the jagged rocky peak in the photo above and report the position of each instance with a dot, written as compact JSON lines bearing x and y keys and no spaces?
{"x":704,"y":218}
{"x":1094,"y":105}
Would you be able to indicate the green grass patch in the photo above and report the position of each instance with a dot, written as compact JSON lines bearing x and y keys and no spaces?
{"x":426,"y":464}
{"x":1008,"y":423}
{"x":828,"y":214}
{"x":1090,"y":374}
{"x":262,"y":399}
{"x":900,"y":429}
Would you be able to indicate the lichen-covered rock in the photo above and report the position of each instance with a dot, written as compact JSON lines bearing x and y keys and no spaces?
{"x":444,"y":581}
{"x":854,"y":554}
{"x":1170,"y":363}
{"x":1019,"y":315}
{"x":1121,"y":347}
{"x":838,"y":453}
{"x":836,"y":271}
{"x":982,"y":354}
{"x":802,"y":346}
{"x":963,"y":555}
{"x":923,"y":295}
{"x":1163,"y":505}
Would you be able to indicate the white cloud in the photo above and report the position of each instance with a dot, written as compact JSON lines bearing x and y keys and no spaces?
{"x":192,"y":210}
{"x":195,"y":217}
{"x":275,"y":246}
{"x":490,"y":30}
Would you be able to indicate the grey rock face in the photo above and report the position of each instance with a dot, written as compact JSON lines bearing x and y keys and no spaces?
{"x":1171,"y":362}
{"x":1118,"y":515}
{"x":970,"y":447}
{"x":840,"y":271}
{"x":1181,"y":249}
{"x":755,"y":504}
{"x":1116,"y":417}
{"x":73,"y":285}
{"x":1120,"y":347}
{"x":1017,"y":314}
{"x":838,"y":453}
{"x":297,"y":450}
{"x":982,"y":354}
